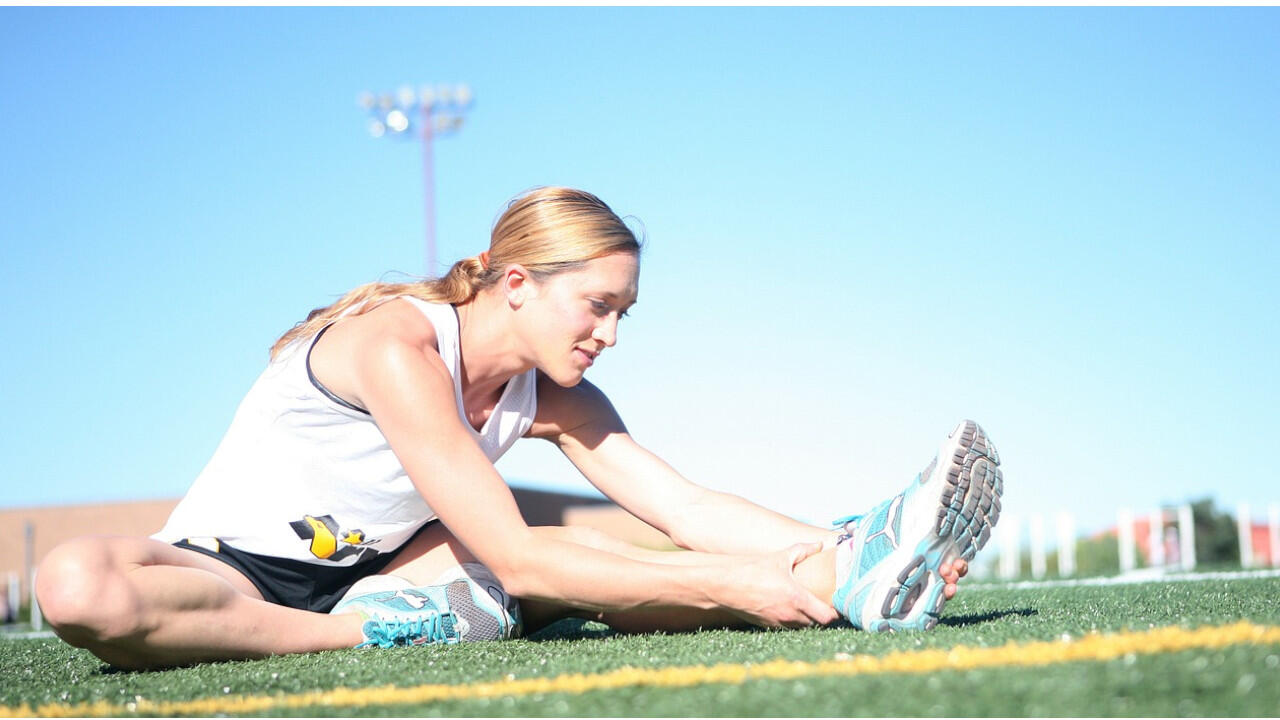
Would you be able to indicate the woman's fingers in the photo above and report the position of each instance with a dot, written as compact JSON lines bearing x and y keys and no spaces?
{"x":819,"y":612}
{"x":814,"y":609}
{"x":772,"y":596}
{"x":954,"y":570}
{"x":800,"y":551}
{"x":802,"y":608}
{"x":951,"y":574}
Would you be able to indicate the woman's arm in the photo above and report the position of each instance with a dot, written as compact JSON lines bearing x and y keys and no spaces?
{"x":401,"y":380}
{"x":584,"y":425}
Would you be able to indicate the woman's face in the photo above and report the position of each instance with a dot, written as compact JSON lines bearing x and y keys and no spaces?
{"x":573,"y":316}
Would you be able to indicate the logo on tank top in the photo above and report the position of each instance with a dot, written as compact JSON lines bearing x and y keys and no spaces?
{"x":329,"y":541}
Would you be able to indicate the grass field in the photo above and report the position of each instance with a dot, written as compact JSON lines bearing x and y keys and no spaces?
{"x":1193,"y":648}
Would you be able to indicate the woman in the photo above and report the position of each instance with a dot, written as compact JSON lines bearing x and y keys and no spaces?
{"x":384,"y":412}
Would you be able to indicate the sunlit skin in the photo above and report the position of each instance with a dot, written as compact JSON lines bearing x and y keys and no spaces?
{"x":140,"y":603}
{"x":572,"y":317}
{"x":581,"y":310}
{"x":577,"y":315}
{"x":951,"y":573}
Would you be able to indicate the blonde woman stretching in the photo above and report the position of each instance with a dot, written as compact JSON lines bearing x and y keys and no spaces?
{"x":354,"y":501}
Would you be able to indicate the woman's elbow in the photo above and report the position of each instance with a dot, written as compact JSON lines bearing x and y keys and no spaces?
{"x":681,"y":538}
{"x":683,"y":529}
{"x":516,"y":574}
{"x":516,"y":584}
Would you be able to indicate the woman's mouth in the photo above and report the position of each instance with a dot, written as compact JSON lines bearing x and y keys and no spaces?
{"x":587,"y":356}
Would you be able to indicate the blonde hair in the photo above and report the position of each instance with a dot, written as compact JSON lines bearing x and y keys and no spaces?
{"x":547,"y":230}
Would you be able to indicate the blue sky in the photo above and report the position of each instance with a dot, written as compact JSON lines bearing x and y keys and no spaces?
{"x":863,"y":225}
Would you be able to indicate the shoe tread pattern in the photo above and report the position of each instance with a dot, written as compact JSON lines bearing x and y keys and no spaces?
{"x":969,"y":508}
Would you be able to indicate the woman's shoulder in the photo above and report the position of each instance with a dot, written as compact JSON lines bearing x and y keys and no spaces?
{"x":396,"y":322}
{"x":404,"y":319}
{"x":375,"y":350}
{"x":562,"y":409}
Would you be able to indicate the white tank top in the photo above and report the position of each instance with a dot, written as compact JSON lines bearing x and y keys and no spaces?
{"x":302,"y":474}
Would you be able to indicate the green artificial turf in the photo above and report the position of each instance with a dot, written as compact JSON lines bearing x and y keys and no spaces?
{"x":1235,"y":681}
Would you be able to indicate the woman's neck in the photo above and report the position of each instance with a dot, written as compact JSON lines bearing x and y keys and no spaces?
{"x":490,"y":355}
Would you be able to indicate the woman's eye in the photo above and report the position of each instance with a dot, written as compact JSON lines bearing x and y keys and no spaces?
{"x":602,"y":308}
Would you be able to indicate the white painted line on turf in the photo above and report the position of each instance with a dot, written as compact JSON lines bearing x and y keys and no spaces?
{"x":29,"y":635}
{"x":1139,"y":576}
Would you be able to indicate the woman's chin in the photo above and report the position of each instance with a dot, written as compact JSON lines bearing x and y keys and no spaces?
{"x":566,"y":378}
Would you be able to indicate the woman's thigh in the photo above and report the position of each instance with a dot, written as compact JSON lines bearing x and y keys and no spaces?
{"x":431,"y":553}
{"x":96,"y":554}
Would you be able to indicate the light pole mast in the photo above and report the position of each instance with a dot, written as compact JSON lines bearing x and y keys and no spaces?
{"x":440,"y":110}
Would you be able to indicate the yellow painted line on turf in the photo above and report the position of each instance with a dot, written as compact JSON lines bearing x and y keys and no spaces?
{"x":1092,"y":647}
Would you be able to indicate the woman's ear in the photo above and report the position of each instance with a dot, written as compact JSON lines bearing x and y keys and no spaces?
{"x":517,"y":285}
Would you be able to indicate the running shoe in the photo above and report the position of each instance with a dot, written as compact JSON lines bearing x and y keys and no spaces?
{"x":888,"y":559}
{"x":459,"y":611}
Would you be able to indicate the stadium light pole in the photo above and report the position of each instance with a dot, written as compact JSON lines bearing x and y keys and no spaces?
{"x":439,"y":111}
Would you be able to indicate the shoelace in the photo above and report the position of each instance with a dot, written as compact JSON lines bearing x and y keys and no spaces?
{"x":403,"y":631}
{"x":846,"y":532}
{"x":853,"y":520}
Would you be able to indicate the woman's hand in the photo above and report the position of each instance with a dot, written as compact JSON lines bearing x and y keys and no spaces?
{"x":765,"y":592}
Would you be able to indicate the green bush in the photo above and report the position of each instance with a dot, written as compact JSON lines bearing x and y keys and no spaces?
{"x":1217,"y":540}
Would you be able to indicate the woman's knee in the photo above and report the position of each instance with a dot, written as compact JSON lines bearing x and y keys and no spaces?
{"x":83,"y":593}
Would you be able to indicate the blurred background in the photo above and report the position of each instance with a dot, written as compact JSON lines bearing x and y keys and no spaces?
{"x":862,"y":226}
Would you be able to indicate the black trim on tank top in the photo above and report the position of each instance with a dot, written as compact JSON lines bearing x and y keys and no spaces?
{"x":312,"y":376}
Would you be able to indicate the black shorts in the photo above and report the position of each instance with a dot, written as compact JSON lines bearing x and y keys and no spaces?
{"x":297,"y":584}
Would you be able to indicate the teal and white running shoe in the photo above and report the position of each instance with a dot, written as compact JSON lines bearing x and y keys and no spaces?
{"x":888,"y":559}
{"x":459,"y":611}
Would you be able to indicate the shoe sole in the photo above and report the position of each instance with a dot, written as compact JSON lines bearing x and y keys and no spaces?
{"x":967,"y":484}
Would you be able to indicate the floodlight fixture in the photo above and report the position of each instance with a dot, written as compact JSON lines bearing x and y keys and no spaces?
{"x":397,"y":121}
{"x":439,"y":109}
{"x":447,"y":123}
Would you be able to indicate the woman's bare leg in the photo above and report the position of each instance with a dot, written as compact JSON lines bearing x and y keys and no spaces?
{"x":140,"y":603}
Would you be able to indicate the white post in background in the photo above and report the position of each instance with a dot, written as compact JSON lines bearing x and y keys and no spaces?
{"x":1155,"y":538}
{"x":1010,"y":547}
{"x":1187,"y":537}
{"x":1273,"y":526}
{"x":37,"y":621}
{"x":1066,"y":545}
{"x":1037,"y":546}
{"x":1244,"y":526}
{"x":37,"y":618}
{"x":1124,"y":536}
